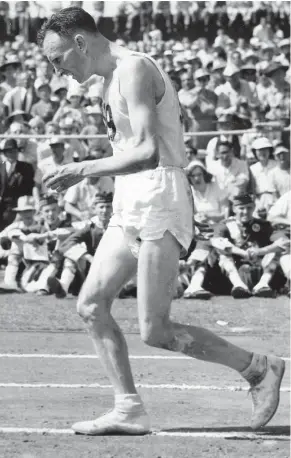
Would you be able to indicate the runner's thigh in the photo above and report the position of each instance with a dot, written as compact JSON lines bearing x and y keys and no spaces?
{"x":157,"y":272}
{"x":113,"y":265}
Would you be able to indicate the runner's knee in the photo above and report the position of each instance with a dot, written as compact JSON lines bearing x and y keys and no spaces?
{"x":93,"y":307}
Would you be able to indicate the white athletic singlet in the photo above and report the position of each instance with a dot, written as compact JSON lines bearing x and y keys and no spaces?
{"x":148,"y":203}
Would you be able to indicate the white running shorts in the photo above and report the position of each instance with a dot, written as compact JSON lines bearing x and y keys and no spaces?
{"x":149,"y":203}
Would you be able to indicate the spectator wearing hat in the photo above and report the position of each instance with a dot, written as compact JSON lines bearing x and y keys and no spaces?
{"x":280,"y":175}
{"x":278,"y":96}
{"x":13,"y":239}
{"x":74,"y":147}
{"x":9,"y":69}
{"x":264,"y":192}
{"x":231,"y":93}
{"x":267,"y":55}
{"x":80,"y":197}
{"x":203,"y":107}
{"x":23,"y":96}
{"x":284,"y":48}
{"x":56,"y":159}
{"x":54,"y":230}
{"x":231,"y":173}
{"x":240,"y":242}
{"x":27,"y":146}
{"x":79,"y":248}
{"x":96,"y":147}
{"x":209,"y":208}
{"x":16,"y":180}
{"x":45,"y":108}
{"x":216,"y":74}
{"x":74,"y":108}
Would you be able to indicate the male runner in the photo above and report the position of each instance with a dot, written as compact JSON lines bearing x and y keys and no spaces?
{"x":151,"y":225}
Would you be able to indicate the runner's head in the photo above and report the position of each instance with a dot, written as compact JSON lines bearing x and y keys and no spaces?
{"x":72,"y":43}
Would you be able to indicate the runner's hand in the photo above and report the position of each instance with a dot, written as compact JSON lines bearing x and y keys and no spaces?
{"x":64,"y":177}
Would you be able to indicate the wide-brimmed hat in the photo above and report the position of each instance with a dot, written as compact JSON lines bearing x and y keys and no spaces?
{"x":267,"y":46}
{"x":39,"y":83}
{"x":280,"y":149}
{"x":11,"y":60}
{"x":272,"y":68}
{"x":25,"y":203}
{"x":8,"y":144}
{"x":218,"y":64}
{"x":261,"y":142}
{"x":15,"y":113}
{"x":248,"y":67}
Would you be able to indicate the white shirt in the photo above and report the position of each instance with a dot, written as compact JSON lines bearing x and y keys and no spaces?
{"x":210,"y":202}
{"x":228,"y":177}
{"x":280,"y":180}
{"x":262,"y":176}
{"x":82,"y":194}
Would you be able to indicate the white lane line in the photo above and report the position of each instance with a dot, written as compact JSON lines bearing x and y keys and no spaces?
{"x":139,"y":385}
{"x":204,"y":434}
{"x":72,"y":356}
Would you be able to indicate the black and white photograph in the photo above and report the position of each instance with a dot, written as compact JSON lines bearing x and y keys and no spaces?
{"x":145,"y":211}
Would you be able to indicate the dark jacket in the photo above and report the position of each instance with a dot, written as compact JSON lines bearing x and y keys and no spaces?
{"x":19,"y":183}
{"x":90,"y":235}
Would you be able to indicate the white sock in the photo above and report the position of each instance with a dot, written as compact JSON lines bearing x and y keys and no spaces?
{"x":256,"y":370}
{"x":66,"y":278}
{"x":236,"y":280}
{"x":10,"y":273}
{"x":264,"y":281}
{"x":128,"y":403}
{"x":285,"y":265}
{"x":197,"y":279}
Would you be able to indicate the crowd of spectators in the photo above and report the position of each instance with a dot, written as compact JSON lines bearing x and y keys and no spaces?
{"x":230,"y":64}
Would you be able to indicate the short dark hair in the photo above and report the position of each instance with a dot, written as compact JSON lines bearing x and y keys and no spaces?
{"x":66,"y":22}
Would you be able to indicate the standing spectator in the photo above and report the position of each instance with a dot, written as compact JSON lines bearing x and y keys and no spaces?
{"x":10,"y":68}
{"x":231,"y":93}
{"x":45,"y":108}
{"x":230,"y":173}
{"x":260,"y":171}
{"x":263,"y":31}
{"x":23,"y":96}
{"x":27,"y":146}
{"x":203,"y":107}
{"x":16,"y":180}
{"x":280,"y":175}
{"x":216,"y":77}
{"x":5,"y":23}
{"x":278,"y":96}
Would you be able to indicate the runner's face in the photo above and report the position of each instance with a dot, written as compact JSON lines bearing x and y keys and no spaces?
{"x":67,"y":58}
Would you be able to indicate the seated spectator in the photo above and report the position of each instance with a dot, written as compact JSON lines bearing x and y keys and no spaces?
{"x":216,"y":76}
{"x":17,"y":179}
{"x":260,"y":171}
{"x":209,"y":208}
{"x":243,"y":242}
{"x":280,"y":175}
{"x":191,"y":152}
{"x":231,"y":93}
{"x":230,"y":173}
{"x":79,"y":249}
{"x":80,"y":197}
{"x":45,"y":108}
{"x":74,"y":147}
{"x":280,"y":216}
{"x":53,"y":231}
{"x":13,"y":240}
